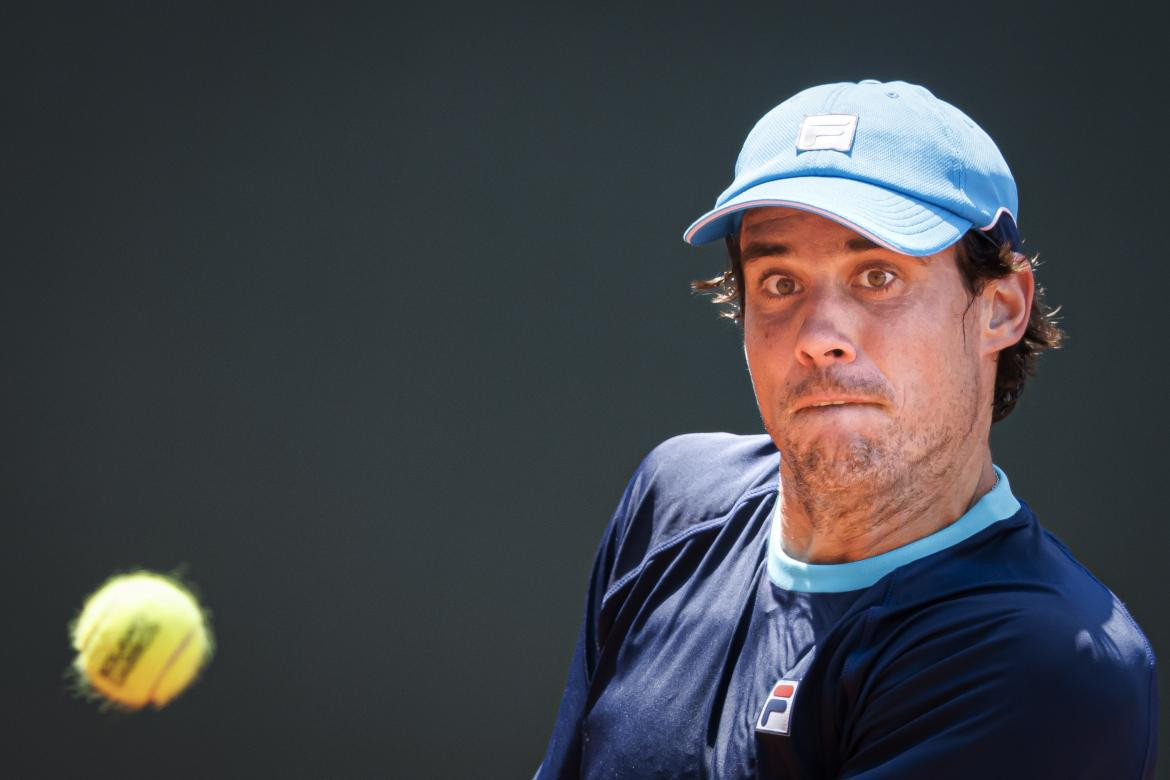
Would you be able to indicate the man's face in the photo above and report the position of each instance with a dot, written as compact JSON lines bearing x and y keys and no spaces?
{"x":867,"y":373}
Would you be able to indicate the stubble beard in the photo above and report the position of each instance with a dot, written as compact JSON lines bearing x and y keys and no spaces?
{"x":871,"y":477}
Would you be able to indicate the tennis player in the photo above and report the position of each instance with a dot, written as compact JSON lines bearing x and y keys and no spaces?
{"x":858,"y":593}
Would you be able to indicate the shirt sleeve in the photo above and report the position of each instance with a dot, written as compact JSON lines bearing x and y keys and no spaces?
{"x":1022,"y":695}
{"x":562,"y":758}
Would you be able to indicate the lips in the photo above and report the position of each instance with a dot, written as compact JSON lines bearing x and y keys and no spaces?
{"x":834,"y":390}
{"x":805,"y":404}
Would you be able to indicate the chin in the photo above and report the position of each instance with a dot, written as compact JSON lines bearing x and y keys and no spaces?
{"x":836,"y":461}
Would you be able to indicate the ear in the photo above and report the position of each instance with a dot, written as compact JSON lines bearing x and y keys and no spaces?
{"x":1008,"y":305}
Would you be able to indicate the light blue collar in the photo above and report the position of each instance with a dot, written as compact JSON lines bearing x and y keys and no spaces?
{"x":791,"y":574}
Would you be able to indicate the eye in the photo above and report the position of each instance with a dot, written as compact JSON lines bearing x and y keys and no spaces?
{"x":778,"y":284}
{"x":876,"y":278}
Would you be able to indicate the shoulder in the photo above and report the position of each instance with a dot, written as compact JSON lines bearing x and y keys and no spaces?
{"x":686,"y":484}
{"x":1078,"y":660}
{"x":1023,"y":647}
{"x":1018,"y":578}
{"x":1018,"y":595}
{"x":1054,"y":645}
{"x":709,"y":470}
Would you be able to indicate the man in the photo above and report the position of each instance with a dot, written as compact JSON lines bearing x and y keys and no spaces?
{"x":858,"y":593}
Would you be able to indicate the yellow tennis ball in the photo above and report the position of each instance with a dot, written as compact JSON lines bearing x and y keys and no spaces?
{"x":141,"y":639}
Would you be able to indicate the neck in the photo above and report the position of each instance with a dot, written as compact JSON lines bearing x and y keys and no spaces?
{"x":869,"y":522}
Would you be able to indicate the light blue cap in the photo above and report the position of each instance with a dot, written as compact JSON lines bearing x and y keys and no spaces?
{"x":887,"y":160}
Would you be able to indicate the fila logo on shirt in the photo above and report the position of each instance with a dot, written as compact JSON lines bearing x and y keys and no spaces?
{"x":778,"y":708}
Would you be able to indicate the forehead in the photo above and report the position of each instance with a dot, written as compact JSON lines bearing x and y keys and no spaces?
{"x":778,"y":230}
{"x":793,"y":223}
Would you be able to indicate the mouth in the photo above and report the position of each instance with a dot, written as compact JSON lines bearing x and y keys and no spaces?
{"x":825,"y":403}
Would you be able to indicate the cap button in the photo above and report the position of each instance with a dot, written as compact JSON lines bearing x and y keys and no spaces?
{"x":869,"y":81}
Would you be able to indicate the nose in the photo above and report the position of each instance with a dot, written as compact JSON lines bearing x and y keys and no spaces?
{"x":825,"y":336}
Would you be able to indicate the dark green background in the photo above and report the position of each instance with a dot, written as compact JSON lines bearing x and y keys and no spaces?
{"x":366,"y":314}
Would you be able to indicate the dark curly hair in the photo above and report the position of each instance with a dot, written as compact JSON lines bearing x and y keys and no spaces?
{"x":980,"y":260}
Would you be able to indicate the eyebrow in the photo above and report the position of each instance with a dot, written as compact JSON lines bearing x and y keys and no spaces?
{"x":775,"y":249}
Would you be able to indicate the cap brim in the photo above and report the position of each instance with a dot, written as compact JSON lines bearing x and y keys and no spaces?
{"x":893,"y":220}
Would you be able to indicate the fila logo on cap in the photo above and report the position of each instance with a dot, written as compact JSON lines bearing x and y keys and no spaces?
{"x":778,"y":708}
{"x":827,"y":131}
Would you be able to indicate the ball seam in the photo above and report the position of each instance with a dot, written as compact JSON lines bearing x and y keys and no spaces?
{"x":170,"y":662}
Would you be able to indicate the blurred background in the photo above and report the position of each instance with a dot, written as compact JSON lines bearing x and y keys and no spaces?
{"x":363,"y":315}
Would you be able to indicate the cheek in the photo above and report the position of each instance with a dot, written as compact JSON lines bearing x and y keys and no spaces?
{"x":930,"y":362}
{"x":767,"y":358}
{"x":768,"y":333}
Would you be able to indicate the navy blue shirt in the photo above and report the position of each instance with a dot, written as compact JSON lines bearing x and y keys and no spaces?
{"x":983,"y":650}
